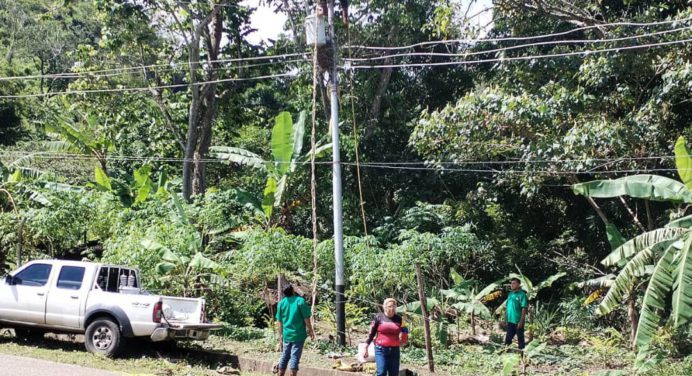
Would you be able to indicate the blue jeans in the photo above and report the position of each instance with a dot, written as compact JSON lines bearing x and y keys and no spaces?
{"x":387,"y":359}
{"x":292,"y":351}
{"x":512,"y":330}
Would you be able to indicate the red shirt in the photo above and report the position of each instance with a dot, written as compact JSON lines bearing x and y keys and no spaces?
{"x":386,"y":331}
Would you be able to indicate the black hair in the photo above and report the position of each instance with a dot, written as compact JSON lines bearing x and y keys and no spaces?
{"x":288,"y":290}
{"x":515,"y":279}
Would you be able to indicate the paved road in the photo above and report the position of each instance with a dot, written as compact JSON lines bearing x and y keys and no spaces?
{"x":19,"y":366}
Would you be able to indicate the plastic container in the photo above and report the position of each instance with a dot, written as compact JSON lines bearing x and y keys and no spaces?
{"x":361,"y":353}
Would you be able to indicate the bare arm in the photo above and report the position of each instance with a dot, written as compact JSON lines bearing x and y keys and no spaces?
{"x":373,"y":331}
{"x":311,"y":332}
{"x":522,"y":320}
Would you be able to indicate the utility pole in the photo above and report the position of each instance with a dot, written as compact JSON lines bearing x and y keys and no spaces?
{"x":336,"y":186}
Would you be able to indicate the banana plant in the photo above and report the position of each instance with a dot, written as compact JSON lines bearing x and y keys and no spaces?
{"x":80,"y":132}
{"x":131,"y":190}
{"x":436,"y":309}
{"x":469,"y":299}
{"x":182,"y":272}
{"x":286,"y":147}
{"x":14,"y":176}
{"x":664,"y":254}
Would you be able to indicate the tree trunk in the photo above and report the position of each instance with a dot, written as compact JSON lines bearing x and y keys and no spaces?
{"x":574,"y":180}
{"x":473,"y":324}
{"x":203,"y":106}
{"x":458,"y":330}
{"x":633,"y":317}
{"x":529,"y":320}
{"x":632,"y":214}
{"x":382,"y":85}
{"x":376,"y":107}
{"x":649,"y":217}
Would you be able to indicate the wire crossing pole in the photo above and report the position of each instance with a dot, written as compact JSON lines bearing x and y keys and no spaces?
{"x":336,"y":187}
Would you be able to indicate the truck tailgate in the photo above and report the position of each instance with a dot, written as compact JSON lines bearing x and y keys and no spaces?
{"x":179,"y":311}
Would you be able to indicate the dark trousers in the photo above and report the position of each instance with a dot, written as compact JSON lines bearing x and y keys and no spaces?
{"x":512,"y":330}
{"x":387,"y":359}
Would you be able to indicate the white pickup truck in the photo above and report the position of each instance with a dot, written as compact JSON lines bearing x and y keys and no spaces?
{"x":102,"y":301}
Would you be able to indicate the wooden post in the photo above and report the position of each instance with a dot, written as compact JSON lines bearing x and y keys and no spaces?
{"x":426,"y":323}
{"x":20,"y":243}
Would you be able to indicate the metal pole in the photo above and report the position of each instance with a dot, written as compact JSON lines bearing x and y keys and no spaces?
{"x":336,"y":188}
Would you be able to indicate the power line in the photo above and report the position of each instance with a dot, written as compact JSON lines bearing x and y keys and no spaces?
{"x":517,"y":172}
{"x":515,"y":58}
{"x":144,"y":70}
{"x":184,"y":65}
{"x":52,"y":154}
{"x":348,"y":66}
{"x":125,"y":89}
{"x":304,"y":54}
{"x":390,"y":165}
{"x":505,"y":39}
{"x":466,"y":54}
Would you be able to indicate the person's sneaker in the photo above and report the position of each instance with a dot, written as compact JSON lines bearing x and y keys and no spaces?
{"x":275,"y":368}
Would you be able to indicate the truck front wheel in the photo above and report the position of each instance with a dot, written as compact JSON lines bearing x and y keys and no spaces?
{"x":103,"y":337}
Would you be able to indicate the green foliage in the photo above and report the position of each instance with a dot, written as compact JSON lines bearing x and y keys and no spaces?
{"x":467,"y":298}
{"x":626,"y":281}
{"x":378,"y":273}
{"x":683,"y":161}
{"x":286,"y":147}
{"x":134,"y":189}
{"x":669,"y":249}
{"x":639,"y":243}
{"x":266,"y":254}
{"x":615,"y":238}
{"x":533,"y":290}
{"x":543,"y":321}
{"x":505,"y":137}
{"x":650,"y":187}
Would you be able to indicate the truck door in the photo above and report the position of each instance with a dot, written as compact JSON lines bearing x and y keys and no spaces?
{"x":23,"y":297}
{"x":66,"y":297}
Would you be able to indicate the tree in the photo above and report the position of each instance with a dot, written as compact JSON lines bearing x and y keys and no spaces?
{"x":193,"y":32}
{"x":664,"y":253}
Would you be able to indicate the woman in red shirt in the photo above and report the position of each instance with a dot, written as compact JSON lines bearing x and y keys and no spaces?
{"x":389,"y":333}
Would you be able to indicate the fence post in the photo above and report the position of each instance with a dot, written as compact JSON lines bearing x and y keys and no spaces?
{"x":426,"y":322}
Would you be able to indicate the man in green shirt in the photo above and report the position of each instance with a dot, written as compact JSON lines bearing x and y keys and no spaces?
{"x":517,"y":304}
{"x":293,"y":316}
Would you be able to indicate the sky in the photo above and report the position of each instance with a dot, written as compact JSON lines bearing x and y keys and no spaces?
{"x":269,"y":24}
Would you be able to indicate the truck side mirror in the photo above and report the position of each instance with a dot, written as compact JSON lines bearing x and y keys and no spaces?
{"x":10,"y":280}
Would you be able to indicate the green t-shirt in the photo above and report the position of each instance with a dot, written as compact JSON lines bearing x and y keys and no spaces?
{"x":516,"y":301}
{"x":292,"y":312}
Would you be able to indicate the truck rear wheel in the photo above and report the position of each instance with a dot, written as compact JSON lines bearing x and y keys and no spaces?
{"x":103,"y":337}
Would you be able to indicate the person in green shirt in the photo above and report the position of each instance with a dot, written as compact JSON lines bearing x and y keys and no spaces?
{"x":517,"y":304}
{"x":293,"y":316}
